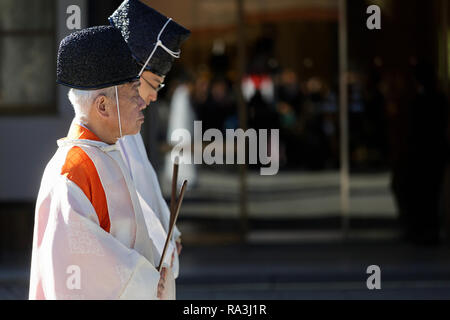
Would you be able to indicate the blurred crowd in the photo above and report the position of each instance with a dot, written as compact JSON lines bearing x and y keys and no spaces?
{"x":385,"y":111}
{"x":397,"y":117}
{"x":305,"y":111}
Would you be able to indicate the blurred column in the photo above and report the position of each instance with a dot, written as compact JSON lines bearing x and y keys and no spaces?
{"x":443,"y":9}
{"x":242,"y":111}
{"x":343,"y":116}
{"x":443,"y":55}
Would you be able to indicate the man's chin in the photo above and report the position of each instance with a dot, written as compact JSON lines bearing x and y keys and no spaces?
{"x":136,"y":131}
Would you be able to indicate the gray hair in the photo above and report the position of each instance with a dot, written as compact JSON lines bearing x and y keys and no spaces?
{"x":82,"y":100}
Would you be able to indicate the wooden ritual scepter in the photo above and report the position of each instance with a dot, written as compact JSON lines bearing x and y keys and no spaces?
{"x":174,"y":209}
{"x":174,"y":190}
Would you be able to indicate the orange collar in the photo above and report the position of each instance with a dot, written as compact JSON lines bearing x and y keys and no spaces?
{"x":77,"y":131}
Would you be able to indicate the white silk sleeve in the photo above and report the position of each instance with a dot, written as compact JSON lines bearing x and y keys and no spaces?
{"x":176,"y":265}
{"x":74,"y":258}
{"x":162,"y":205}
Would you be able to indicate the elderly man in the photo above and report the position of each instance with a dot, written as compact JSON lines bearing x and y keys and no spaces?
{"x":91,"y":239}
{"x":154,"y":41}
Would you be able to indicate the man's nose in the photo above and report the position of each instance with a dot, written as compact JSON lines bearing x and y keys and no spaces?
{"x":153,"y":96}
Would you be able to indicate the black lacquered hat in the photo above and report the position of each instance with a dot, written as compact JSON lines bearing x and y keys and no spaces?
{"x":95,"y":58}
{"x":153,"y":38}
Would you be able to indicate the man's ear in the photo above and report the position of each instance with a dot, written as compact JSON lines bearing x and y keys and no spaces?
{"x":101,"y":106}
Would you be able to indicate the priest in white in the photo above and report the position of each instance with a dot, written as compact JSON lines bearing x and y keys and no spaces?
{"x":91,"y":237}
{"x":155,"y":42}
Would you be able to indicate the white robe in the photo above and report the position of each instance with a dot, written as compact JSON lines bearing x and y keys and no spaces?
{"x":154,"y":206}
{"x":73,"y":257}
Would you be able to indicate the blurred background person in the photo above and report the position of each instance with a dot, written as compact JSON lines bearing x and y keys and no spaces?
{"x":419,"y":184}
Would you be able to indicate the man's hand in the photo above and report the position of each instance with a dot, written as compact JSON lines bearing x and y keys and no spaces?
{"x":162,"y":283}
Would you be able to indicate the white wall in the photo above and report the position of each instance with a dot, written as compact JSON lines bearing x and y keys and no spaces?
{"x":28,"y":142}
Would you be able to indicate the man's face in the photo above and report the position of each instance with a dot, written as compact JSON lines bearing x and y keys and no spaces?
{"x":131,"y":106}
{"x":150,"y":83}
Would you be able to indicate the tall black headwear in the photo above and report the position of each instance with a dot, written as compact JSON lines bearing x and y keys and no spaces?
{"x":95,"y":58}
{"x":153,"y":38}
